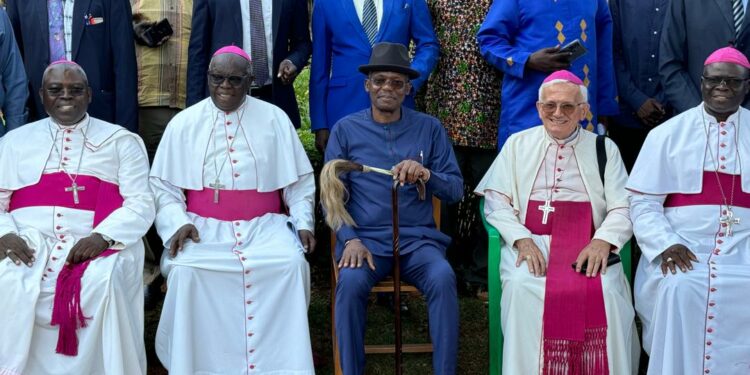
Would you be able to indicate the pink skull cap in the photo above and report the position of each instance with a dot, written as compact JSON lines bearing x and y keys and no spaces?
{"x":728,"y":55}
{"x":564,"y":75}
{"x":64,"y":61}
{"x":233,"y":50}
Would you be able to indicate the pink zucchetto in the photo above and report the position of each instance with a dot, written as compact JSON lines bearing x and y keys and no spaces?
{"x":728,"y":55}
{"x":64,"y":61}
{"x":233,"y":50}
{"x":564,"y":75}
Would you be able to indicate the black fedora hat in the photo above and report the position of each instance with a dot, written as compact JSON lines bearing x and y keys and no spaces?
{"x":389,"y":57}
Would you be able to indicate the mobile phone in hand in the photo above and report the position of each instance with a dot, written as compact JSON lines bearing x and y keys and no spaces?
{"x":575,"y":49}
{"x":612,"y":259}
{"x":154,"y":34}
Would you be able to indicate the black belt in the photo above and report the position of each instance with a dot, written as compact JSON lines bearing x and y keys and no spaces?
{"x":262,"y":91}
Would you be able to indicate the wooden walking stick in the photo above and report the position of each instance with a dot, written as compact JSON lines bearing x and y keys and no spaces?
{"x":396,"y":276}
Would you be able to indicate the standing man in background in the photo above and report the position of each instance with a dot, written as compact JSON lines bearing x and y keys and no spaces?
{"x":642,"y":98}
{"x":344,"y":32}
{"x":685,"y":44}
{"x":462,"y":94}
{"x":524,"y":39}
{"x":162,"y":79}
{"x":97,"y":35}
{"x":275,"y":33}
{"x":14,"y":89}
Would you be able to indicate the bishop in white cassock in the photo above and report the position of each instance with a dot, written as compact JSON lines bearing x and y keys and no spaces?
{"x":545,"y":196}
{"x":74,"y":204}
{"x":234,"y":191}
{"x":690,"y":205}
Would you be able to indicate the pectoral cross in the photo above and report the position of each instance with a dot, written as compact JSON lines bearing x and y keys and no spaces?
{"x":728,"y":220}
{"x":75,"y":189}
{"x":216,"y":185}
{"x":546,"y":208}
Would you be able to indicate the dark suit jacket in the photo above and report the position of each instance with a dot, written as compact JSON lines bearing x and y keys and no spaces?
{"x":218,"y":23}
{"x":105,"y":51}
{"x":693,"y":29}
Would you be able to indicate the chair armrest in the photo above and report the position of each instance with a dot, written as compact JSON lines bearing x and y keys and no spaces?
{"x":494,"y":289}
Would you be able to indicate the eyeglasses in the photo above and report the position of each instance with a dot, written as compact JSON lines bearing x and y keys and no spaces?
{"x":396,"y":84}
{"x":72,"y":91}
{"x":731,"y":82}
{"x":566,"y":108}
{"x":218,"y":79}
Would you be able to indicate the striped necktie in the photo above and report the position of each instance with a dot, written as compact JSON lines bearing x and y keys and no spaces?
{"x":370,"y":20}
{"x":738,"y":11}
{"x":258,"y":43}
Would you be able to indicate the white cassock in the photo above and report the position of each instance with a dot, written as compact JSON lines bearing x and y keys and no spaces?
{"x":237,"y":300}
{"x":112,"y":291}
{"x":526,"y":169}
{"x":694,"y":322}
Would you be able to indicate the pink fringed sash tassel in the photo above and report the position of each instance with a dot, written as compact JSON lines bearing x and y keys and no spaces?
{"x":574,"y":320}
{"x":101,"y":197}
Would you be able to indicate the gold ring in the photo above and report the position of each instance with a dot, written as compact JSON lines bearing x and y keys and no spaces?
{"x":528,"y":257}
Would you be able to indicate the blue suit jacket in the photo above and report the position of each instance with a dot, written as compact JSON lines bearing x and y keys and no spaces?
{"x":14,"y":88}
{"x":340,"y":46}
{"x":105,"y":51}
{"x":218,"y":23}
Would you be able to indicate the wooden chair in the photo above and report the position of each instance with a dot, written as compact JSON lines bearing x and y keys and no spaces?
{"x":386,"y":285}
{"x":495,"y":289}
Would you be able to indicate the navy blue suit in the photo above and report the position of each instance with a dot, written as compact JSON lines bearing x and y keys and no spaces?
{"x":218,"y":23}
{"x":104,"y":50}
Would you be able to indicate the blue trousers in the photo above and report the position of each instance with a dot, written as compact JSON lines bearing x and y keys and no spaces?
{"x":428,"y":270}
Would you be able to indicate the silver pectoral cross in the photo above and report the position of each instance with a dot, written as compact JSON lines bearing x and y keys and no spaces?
{"x":728,"y":220}
{"x":75,"y":189}
{"x":216,"y":185}
{"x":546,"y":208}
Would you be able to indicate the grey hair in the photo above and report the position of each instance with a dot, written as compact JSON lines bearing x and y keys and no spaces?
{"x":72,"y":66}
{"x":583,"y":90}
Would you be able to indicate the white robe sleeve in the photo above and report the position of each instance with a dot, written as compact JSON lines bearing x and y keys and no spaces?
{"x":613,"y":227}
{"x":171,"y":209}
{"x":129,"y":223}
{"x":651,"y":227}
{"x":504,"y":217}
{"x":7,"y":224}
{"x":299,"y":198}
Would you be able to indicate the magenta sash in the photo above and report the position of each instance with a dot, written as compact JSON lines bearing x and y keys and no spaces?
{"x":574,"y":320}
{"x":711,"y":193}
{"x":233,"y":204}
{"x":101,"y":197}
